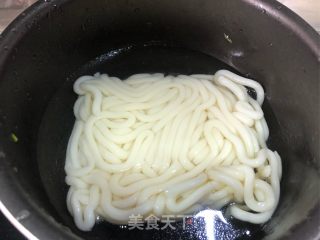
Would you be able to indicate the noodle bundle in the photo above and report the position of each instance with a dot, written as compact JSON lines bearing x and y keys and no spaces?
{"x":155,"y":144}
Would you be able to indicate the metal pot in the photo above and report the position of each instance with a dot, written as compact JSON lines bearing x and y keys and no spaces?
{"x":53,"y":42}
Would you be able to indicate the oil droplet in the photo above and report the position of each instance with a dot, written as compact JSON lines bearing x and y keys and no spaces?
{"x":227,"y":37}
{"x":99,"y":219}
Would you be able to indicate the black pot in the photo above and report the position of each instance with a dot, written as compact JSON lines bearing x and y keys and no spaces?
{"x":50,"y":44}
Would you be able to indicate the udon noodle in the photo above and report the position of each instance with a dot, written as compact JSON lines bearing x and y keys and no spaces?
{"x":155,"y":144}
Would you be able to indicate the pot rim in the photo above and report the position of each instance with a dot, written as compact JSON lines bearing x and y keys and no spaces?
{"x":40,"y":225}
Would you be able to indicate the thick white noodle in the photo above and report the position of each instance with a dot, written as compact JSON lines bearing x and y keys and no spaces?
{"x":155,"y":144}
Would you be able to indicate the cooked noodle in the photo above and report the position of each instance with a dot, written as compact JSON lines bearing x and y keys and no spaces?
{"x":155,"y":144}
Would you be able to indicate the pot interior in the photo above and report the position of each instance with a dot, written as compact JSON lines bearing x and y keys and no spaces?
{"x":66,"y":40}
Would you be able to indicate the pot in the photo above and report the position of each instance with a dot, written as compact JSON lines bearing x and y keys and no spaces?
{"x":53,"y":42}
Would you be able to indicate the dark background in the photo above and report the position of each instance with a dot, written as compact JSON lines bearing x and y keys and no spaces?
{"x":8,"y":231}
